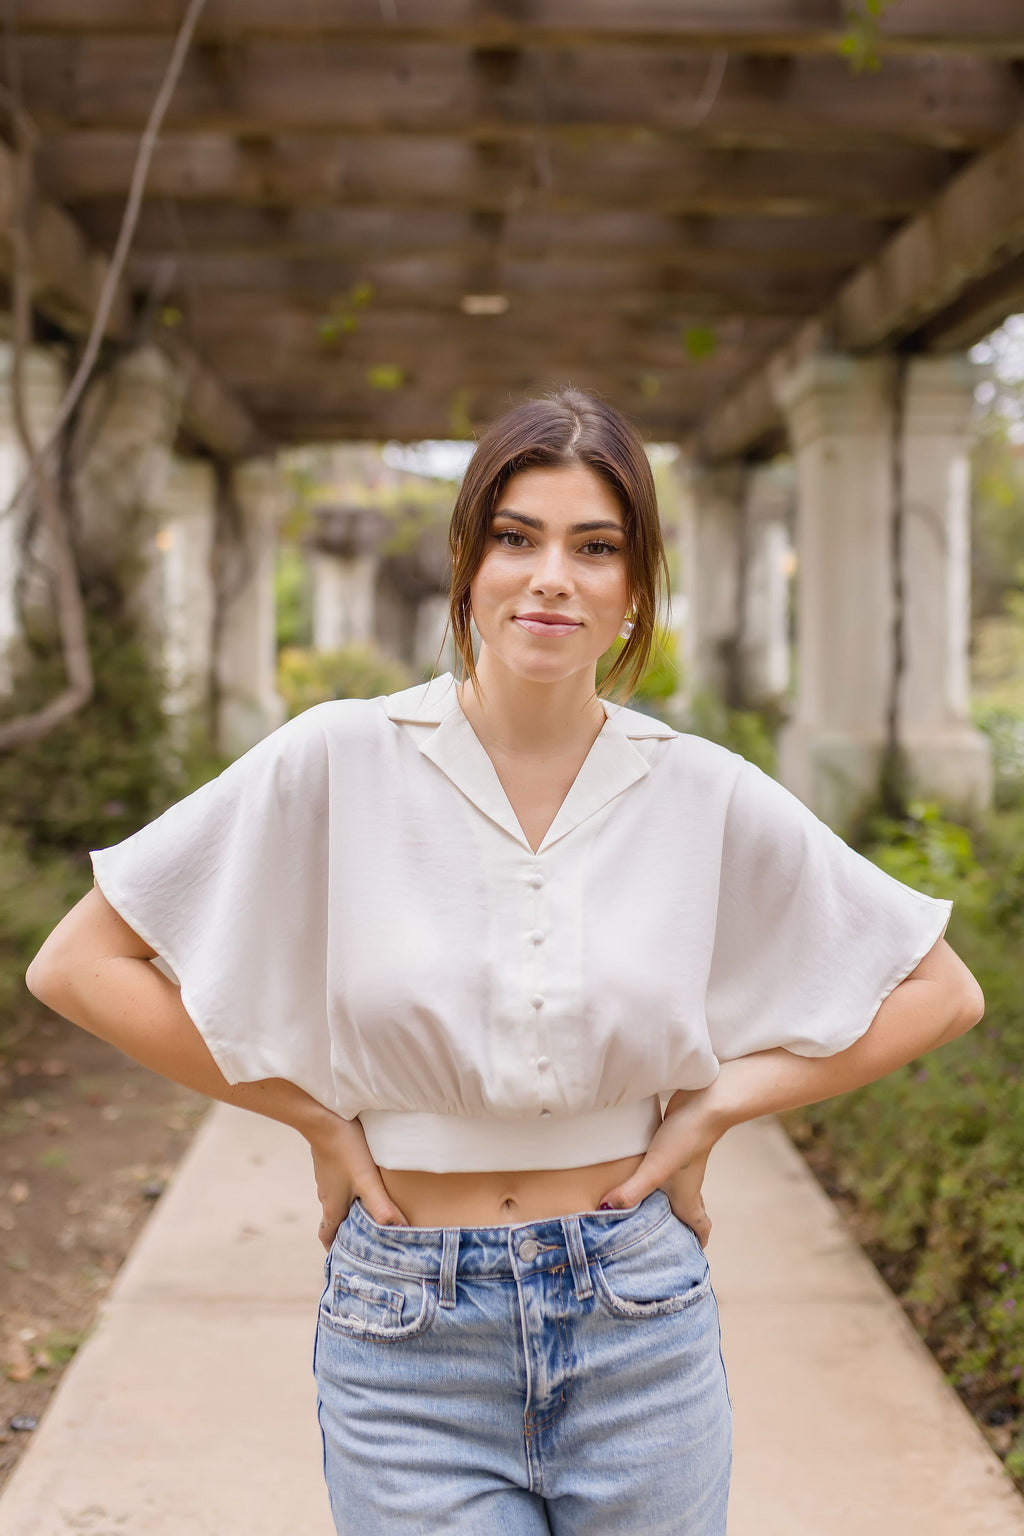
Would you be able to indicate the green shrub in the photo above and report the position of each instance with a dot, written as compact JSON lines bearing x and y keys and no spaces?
{"x":932,"y":1154}
{"x":112,"y":766}
{"x":306,"y":677}
{"x":35,"y":892}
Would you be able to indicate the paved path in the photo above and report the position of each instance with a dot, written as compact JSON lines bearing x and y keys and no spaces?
{"x":190,"y":1411}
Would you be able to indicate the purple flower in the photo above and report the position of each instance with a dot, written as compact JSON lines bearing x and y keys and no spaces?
{"x":1015,"y":1372}
{"x":1002,"y":1269}
{"x":1009,"y":1305}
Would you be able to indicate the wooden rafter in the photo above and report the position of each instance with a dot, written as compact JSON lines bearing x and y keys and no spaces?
{"x":763,"y":26}
{"x":967,"y":238}
{"x":668,"y":197}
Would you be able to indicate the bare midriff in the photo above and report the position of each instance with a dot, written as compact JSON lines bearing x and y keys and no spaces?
{"x":502,"y":1199}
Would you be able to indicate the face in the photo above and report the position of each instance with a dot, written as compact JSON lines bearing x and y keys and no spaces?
{"x":552,"y":589}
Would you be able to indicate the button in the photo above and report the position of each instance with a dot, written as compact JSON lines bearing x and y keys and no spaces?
{"x":536,"y":1001}
{"x":528,"y":1250}
{"x":545,"y":1114}
{"x":543,"y":1061}
{"x":535,"y":937}
{"x":535,"y":881}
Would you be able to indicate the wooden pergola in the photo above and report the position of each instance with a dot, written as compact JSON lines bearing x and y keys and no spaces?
{"x":390,"y":218}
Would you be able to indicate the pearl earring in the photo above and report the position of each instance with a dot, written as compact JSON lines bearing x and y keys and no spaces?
{"x":626,"y":630}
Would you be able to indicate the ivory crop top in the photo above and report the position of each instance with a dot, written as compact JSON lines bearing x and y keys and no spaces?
{"x":353,"y":906}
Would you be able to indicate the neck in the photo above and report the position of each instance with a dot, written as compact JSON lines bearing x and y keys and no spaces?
{"x":521,"y":716}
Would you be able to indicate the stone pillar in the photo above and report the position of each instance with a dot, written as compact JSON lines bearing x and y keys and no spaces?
{"x":121,"y":451}
{"x":185,"y":510}
{"x":766,"y":564}
{"x":344,"y":599}
{"x":44,"y":389}
{"x":713,"y":520}
{"x":249,"y":705}
{"x":432,"y":646}
{"x":840,"y":412}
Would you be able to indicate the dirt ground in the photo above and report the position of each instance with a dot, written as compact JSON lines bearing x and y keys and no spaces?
{"x":88,"y":1141}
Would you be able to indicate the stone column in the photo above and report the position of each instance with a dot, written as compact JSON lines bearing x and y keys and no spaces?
{"x":432,"y":646}
{"x":713,"y":520}
{"x":185,"y":510}
{"x":840,"y":412}
{"x":44,"y":389}
{"x":347,"y":549}
{"x":763,"y":661}
{"x":121,"y":451}
{"x":344,"y":599}
{"x":249,"y":705}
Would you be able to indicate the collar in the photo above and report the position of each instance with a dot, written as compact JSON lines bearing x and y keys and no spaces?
{"x":611,"y":766}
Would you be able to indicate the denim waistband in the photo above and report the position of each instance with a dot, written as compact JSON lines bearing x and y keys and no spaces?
{"x":501,"y":1252}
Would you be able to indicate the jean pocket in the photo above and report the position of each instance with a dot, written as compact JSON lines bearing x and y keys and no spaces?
{"x":365,"y":1304}
{"x":664,"y":1272}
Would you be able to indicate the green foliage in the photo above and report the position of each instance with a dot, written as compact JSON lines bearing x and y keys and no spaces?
{"x":109,"y":768}
{"x":997,"y":517}
{"x":385,"y":376}
{"x":35,"y":892}
{"x":293,"y":596}
{"x":699,"y":342}
{"x":745,"y":731}
{"x":932,"y":1154}
{"x":860,"y":42}
{"x":307,"y":677}
{"x":341,"y":318}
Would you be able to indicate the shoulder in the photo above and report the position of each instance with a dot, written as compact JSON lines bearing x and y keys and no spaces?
{"x":676,"y":753}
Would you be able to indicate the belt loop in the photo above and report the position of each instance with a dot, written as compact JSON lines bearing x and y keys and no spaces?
{"x":577,"y":1257}
{"x":449,"y":1263}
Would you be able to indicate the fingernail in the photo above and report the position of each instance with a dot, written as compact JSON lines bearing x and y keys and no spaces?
{"x":604,"y":1206}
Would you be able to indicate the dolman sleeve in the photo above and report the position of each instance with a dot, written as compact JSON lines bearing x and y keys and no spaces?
{"x":229,"y":887}
{"x":811,"y":937}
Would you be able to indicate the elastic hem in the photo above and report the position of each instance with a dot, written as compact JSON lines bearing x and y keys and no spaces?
{"x":485,"y":1144}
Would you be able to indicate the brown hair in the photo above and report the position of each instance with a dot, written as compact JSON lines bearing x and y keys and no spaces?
{"x":566,"y":427}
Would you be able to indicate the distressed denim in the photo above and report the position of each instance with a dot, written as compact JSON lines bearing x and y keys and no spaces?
{"x":560,"y":1376}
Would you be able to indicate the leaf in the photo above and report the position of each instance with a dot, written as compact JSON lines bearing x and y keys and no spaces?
{"x":699,"y":342}
{"x":385,"y":376}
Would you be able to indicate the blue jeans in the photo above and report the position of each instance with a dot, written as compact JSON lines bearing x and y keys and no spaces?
{"x":561,"y":1376}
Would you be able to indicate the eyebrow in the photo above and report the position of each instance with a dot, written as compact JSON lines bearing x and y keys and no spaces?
{"x":536,"y":522}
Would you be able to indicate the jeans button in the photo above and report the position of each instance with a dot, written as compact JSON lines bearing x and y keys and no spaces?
{"x":528,"y":1250}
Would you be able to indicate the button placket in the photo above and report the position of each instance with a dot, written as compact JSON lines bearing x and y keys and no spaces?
{"x":534,"y":939}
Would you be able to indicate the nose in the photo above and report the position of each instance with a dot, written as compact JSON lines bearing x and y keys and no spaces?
{"x":552,"y":573}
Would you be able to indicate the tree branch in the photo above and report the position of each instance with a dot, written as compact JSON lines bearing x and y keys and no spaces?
{"x":71,"y":615}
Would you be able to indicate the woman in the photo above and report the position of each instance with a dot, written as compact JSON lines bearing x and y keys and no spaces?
{"x":462,"y":939}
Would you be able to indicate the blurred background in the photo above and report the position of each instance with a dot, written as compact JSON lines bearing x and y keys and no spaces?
{"x":268,"y":266}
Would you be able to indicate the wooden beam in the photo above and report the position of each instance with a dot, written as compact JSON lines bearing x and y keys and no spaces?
{"x":635,"y":285}
{"x":761,"y":26}
{"x":366,"y":234}
{"x":280,"y":86}
{"x":68,"y":273}
{"x":971,"y":234}
{"x":656,"y":173}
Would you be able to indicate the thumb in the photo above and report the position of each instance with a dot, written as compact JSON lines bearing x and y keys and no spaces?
{"x":376,"y":1201}
{"x":637,"y":1187}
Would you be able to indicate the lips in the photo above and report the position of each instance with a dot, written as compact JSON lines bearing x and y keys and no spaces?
{"x":549,"y":625}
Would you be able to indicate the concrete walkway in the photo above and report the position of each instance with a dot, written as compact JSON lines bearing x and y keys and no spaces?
{"x":190,"y":1410}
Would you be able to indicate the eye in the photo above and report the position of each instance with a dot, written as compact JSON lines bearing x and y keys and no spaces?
{"x":508,"y":537}
{"x":601,"y":547}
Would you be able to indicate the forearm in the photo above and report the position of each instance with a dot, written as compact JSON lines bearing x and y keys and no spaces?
{"x":128,"y":1002}
{"x":936,"y":1004}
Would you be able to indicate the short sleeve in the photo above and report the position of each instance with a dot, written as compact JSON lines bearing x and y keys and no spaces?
{"x":811,"y":937}
{"x":229,"y":887}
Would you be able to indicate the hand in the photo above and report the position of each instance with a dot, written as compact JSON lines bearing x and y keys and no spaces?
{"x":675,"y":1161}
{"x":344,"y":1169}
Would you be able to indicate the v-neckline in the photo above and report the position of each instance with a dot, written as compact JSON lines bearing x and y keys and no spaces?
{"x":611,"y":766}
